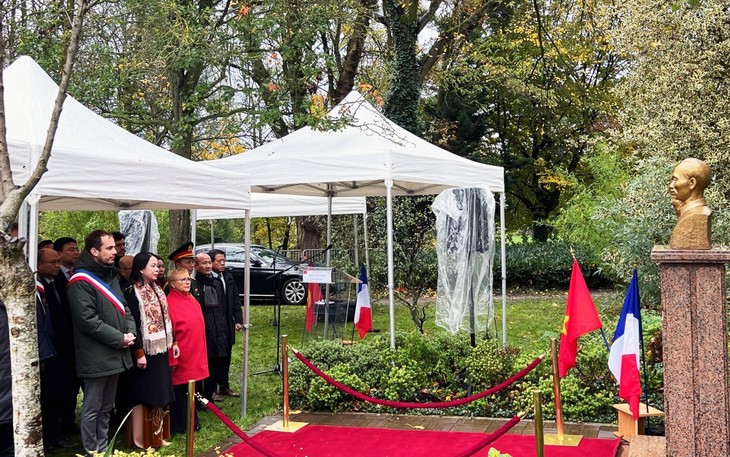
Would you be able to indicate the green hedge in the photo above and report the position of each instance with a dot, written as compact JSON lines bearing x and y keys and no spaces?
{"x":442,"y":367}
{"x":540,"y":266}
{"x":530,"y":266}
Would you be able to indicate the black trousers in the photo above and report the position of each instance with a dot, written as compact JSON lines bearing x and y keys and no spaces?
{"x":217,"y":369}
{"x":51,"y":402}
{"x":7,"y":449}
{"x":179,"y":408}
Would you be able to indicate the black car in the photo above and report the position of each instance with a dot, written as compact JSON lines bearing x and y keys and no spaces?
{"x":272,"y":274}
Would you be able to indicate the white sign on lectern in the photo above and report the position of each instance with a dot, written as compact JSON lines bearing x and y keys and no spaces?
{"x":317,"y":275}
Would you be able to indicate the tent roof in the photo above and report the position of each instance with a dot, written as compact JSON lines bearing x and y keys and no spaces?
{"x":357,"y":159}
{"x":278,"y":205}
{"x":97,"y":165}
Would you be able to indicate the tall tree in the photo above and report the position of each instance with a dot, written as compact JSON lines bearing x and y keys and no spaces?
{"x":306,"y":63}
{"x":16,"y":279}
{"x":536,"y":85}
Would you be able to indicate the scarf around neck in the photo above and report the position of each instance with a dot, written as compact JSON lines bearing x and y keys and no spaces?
{"x":155,"y":322}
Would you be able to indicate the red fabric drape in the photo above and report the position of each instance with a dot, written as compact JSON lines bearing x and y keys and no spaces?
{"x":401,"y":404}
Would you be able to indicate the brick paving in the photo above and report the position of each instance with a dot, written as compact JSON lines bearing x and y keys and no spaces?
{"x":442,"y":423}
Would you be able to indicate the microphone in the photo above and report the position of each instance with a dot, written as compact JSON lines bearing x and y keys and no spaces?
{"x":329,"y":246}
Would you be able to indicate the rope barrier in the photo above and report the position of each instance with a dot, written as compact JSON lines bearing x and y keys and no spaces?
{"x":247,"y":439}
{"x":399,"y":404}
{"x":491,"y":438}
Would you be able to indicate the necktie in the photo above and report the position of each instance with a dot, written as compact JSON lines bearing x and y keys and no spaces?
{"x":69,"y":273}
{"x":51,"y":287}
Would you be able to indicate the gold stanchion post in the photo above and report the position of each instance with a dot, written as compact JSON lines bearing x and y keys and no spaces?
{"x":190,"y":424}
{"x":285,"y":425}
{"x":539,"y":437}
{"x":560,"y":439}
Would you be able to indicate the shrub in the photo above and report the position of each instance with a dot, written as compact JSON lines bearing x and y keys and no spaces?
{"x":442,"y":367}
{"x":547,"y":266}
{"x":325,"y":397}
{"x":490,"y":363}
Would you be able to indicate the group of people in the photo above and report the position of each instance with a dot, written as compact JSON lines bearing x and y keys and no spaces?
{"x":130,"y":337}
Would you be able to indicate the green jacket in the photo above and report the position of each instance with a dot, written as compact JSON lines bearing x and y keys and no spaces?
{"x":99,"y":327}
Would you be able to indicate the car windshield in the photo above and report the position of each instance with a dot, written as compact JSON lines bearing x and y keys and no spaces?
{"x":268,"y":256}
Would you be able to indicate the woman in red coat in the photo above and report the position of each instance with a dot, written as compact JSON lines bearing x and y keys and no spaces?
{"x":189,"y":328}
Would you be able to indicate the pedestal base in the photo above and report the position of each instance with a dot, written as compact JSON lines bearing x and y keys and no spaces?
{"x":566,"y":440}
{"x":696,"y":399}
{"x":291,"y":427}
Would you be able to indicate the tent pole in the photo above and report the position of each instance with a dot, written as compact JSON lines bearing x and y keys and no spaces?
{"x":194,"y":226}
{"x":367,"y":243}
{"x":354,"y":236}
{"x":504,"y":268}
{"x":32,"y":244}
{"x":329,"y":240}
{"x":246,"y":308}
{"x":391,"y":281}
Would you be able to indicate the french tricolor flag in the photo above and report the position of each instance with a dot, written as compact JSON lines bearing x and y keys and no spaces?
{"x":623,"y":360}
{"x":363,"y":317}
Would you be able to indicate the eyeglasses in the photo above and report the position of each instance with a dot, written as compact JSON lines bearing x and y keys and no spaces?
{"x":183,"y":279}
{"x":71,"y":249}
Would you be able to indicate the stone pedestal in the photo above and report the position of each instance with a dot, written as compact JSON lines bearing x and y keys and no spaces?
{"x":696,"y":397}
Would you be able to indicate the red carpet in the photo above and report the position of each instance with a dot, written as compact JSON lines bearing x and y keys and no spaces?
{"x":329,"y":441}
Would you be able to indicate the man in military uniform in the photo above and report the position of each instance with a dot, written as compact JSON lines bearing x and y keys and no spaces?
{"x":183,"y":257}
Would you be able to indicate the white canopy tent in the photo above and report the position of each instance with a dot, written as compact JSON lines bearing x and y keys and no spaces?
{"x":371,"y":156}
{"x":97,"y":165}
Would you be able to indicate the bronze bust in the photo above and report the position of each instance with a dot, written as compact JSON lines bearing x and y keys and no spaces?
{"x":689,"y":180}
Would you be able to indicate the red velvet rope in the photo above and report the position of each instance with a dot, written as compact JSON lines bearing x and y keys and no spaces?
{"x":401,"y":404}
{"x":247,"y":439}
{"x":490,"y":439}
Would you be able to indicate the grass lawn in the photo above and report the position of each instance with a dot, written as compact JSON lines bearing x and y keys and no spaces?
{"x":531,"y":322}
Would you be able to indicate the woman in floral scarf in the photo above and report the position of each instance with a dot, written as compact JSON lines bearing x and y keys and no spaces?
{"x":150,"y":383}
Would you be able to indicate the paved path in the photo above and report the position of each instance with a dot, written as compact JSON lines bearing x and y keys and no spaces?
{"x":443,"y":423}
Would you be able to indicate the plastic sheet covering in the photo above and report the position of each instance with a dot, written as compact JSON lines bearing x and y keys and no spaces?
{"x":140,"y":229}
{"x":465,"y":248}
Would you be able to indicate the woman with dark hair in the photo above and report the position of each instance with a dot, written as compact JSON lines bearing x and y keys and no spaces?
{"x":189,"y":327}
{"x":161,"y":278}
{"x":150,"y":382}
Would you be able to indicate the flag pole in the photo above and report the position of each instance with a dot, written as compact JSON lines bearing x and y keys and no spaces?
{"x":643,"y":359}
{"x":605,"y":341}
{"x":561,"y":439}
{"x":556,"y":391}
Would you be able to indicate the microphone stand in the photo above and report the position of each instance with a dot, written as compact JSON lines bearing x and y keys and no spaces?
{"x":277,"y":316}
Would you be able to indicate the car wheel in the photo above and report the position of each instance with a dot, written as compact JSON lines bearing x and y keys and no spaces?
{"x":294,"y":292}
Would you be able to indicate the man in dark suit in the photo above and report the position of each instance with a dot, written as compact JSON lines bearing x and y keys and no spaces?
{"x":231,"y":302}
{"x":68,"y":251}
{"x":53,"y":375}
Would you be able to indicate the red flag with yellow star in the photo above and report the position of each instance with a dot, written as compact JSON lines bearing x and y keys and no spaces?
{"x":581,"y":317}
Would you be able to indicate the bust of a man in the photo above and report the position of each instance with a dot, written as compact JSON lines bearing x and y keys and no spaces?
{"x":694,"y":223}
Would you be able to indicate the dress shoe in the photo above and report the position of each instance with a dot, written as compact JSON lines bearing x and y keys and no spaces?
{"x":216,"y":397}
{"x":229,"y":393}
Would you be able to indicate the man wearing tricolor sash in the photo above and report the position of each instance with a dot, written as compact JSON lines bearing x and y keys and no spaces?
{"x":104,"y":330}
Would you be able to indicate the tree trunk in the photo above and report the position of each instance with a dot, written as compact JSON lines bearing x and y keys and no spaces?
{"x":17,"y":285}
{"x":401,"y":103}
{"x":179,"y":223}
{"x":310,"y":233}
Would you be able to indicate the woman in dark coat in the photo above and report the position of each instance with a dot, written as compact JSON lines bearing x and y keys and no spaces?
{"x":150,"y":382}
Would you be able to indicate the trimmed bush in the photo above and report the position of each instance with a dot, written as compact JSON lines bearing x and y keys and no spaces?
{"x":539,"y":266}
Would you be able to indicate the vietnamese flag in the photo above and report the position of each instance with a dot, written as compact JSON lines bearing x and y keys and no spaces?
{"x":314,"y":294}
{"x":363,"y":317}
{"x":623,"y":360}
{"x":580,"y":318}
